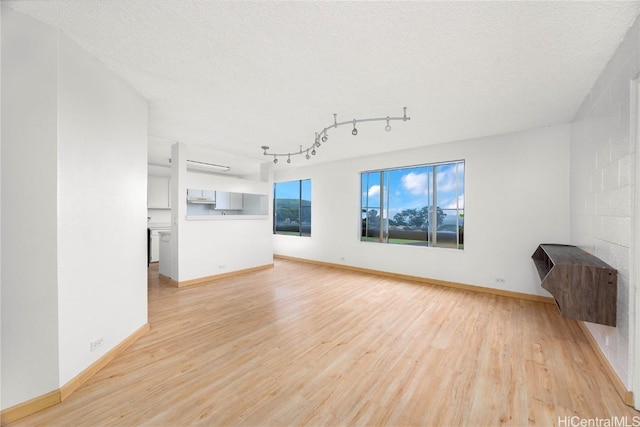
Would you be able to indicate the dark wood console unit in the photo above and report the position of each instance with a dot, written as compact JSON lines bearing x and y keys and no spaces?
{"x":584,"y":287}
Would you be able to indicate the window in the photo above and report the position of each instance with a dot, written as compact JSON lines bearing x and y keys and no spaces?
{"x":417,"y":205}
{"x":292,"y":208}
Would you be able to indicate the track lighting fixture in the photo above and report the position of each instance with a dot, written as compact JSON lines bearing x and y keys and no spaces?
{"x":323,"y":136}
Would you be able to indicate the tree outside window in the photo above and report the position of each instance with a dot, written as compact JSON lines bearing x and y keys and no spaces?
{"x":417,"y":205}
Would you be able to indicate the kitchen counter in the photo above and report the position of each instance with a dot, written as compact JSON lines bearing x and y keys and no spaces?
{"x":224,"y":217}
{"x":159,"y":225}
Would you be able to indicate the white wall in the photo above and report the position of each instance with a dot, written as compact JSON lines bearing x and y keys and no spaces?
{"x":102,"y":182}
{"x":0,"y":216}
{"x":211,"y":247}
{"x":29,"y":194}
{"x":73,"y":209}
{"x":517,"y":196}
{"x":602,"y":189}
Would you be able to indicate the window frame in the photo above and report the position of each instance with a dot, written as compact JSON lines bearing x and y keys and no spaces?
{"x":434,"y":222}
{"x":300,"y":208}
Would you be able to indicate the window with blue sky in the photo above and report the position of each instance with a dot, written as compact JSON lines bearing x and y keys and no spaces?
{"x":292,"y":208}
{"x":416,"y":205}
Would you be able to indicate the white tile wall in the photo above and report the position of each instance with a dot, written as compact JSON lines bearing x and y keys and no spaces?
{"x":602,"y":188}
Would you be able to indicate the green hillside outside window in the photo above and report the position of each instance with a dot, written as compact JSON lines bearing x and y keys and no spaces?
{"x":292,"y":208}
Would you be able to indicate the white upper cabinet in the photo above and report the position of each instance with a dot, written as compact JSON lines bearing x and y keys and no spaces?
{"x":227,"y":200}
{"x":158,"y":191}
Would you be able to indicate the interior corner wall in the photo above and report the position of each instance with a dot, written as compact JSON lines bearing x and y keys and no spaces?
{"x":29,"y":290}
{"x":102,"y":184}
{"x":74,"y":155}
{"x":602,"y":189}
{"x":516,"y":197}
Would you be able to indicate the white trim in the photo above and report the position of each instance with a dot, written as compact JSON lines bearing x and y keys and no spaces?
{"x":634,"y":328}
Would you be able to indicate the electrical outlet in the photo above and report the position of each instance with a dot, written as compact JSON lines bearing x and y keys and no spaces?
{"x":222,"y":267}
{"x":94,"y":345}
{"x":342,"y":259}
{"x":500,"y":280}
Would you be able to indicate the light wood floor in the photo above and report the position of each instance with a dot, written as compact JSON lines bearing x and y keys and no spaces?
{"x":301,"y":344}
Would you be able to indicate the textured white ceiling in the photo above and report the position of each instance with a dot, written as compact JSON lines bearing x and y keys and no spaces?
{"x":236,"y":75}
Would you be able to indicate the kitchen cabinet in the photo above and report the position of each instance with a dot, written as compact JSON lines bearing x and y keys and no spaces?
{"x":230,"y":206}
{"x":155,"y":247}
{"x":158,"y":191}
{"x":228,"y":201}
{"x":165,"y":262}
{"x":155,"y":244}
{"x":197,"y":195}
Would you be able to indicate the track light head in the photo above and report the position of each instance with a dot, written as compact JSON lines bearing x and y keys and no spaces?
{"x":354,"y":132}
{"x":387,"y":128}
{"x":275,"y":159}
{"x":289,"y":159}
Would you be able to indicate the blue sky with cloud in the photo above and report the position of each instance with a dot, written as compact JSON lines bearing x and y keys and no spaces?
{"x":408,"y":188}
{"x":291,"y":190}
{"x":412,"y":188}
